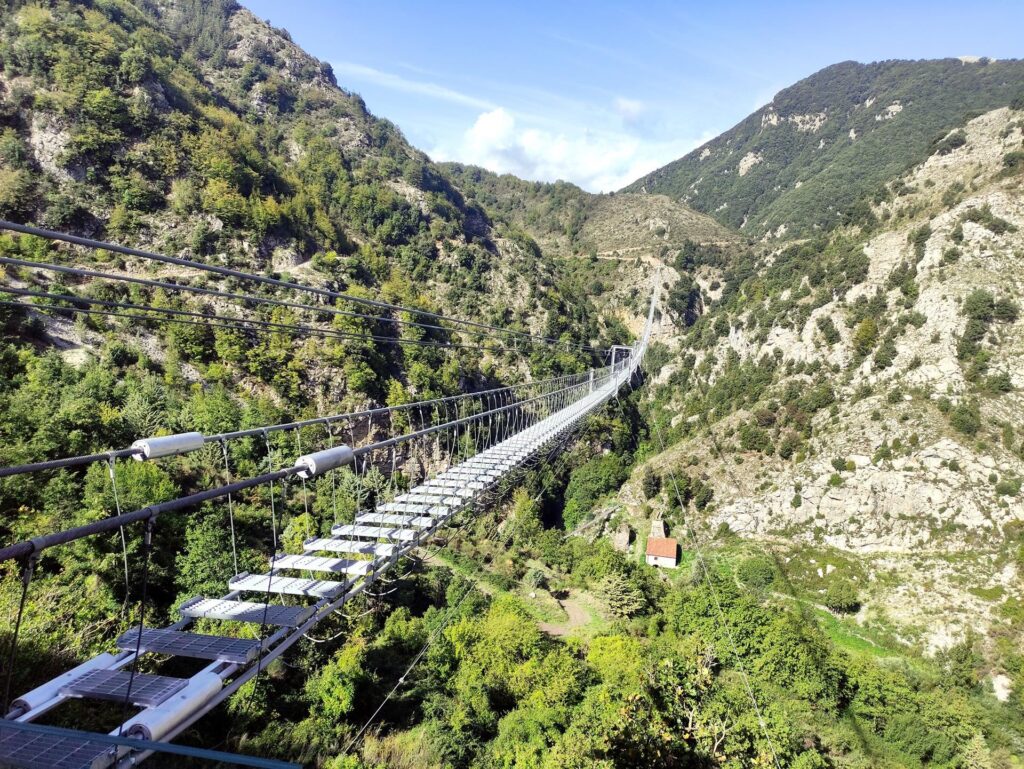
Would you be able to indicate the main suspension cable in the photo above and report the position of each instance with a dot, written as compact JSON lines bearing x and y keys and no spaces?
{"x":230,"y":272}
{"x":81,"y":272}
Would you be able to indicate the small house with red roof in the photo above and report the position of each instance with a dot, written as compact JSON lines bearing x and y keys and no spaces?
{"x":662,"y":551}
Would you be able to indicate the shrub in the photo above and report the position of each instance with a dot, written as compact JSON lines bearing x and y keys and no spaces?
{"x":757,"y":572}
{"x":954,"y":141}
{"x":620,"y":595}
{"x":828,"y":330}
{"x":886,"y":354}
{"x":702,"y":494}
{"x":534,"y":578}
{"x":788,"y":445}
{"x":587,"y":483}
{"x":841,"y":596}
{"x":650,"y":483}
{"x":1008,"y":487}
{"x":753,"y":438}
{"x":864,"y":336}
{"x":983,"y":215}
{"x":1005,"y":310}
{"x":966,"y":418}
{"x":998,"y":384}
{"x":979,"y":305}
{"x":919,"y":239}
{"x":1014,"y":161}
{"x":969,"y":343}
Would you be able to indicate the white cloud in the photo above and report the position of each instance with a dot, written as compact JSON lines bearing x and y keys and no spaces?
{"x":599,"y":162}
{"x":551,"y":142}
{"x":630,"y":110}
{"x":407,"y":85}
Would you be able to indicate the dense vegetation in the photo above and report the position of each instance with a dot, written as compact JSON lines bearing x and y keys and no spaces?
{"x":552,"y":212}
{"x":173,"y":129}
{"x":831,"y":141}
{"x":666,"y":685}
{"x":192,"y":128}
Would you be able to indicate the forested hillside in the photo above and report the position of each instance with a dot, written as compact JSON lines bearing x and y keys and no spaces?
{"x":564,"y":219}
{"x":824,"y":148}
{"x":830,"y":427}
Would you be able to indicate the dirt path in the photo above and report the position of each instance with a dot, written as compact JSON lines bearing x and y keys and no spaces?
{"x":577,"y":617}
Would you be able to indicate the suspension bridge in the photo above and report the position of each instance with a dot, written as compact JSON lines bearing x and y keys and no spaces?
{"x":466,"y":448}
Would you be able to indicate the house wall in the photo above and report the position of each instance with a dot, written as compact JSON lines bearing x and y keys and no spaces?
{"x":657,"y":560}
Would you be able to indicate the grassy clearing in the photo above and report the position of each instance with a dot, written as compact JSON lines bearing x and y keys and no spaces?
{"x":844,"y":637}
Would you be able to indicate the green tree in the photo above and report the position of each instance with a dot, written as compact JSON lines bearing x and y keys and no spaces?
{"x":841,"y":596}
{"x":966,"y":417}
{"x":332,"y":691}
{"x":650,"y":482}
{"x":622,"y":597}
{"x":864,"y":336}
{"x":979,"y":305}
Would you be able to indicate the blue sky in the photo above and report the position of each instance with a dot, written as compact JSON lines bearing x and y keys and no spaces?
{"x":601,"y":93}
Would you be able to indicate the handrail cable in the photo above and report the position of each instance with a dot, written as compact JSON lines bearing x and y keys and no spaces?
{"x":81,"y":272}
{"x":225,"y":321}
{"x":37,"y":544}
{"x":227,"y":271}
{"x":56,"y":464}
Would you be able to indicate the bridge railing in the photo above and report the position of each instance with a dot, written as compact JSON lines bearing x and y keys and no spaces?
{"x":468,"y":427}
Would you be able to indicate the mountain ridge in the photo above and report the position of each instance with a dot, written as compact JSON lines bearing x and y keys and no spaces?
{"x":812,"y":157}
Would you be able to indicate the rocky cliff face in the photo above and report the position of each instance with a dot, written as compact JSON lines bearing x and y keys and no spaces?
{"x":915,"y":466}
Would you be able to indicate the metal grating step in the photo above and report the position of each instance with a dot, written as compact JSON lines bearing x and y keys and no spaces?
{"x":412,"y":507}
{"x":476,"y":472}
{"x":194,"y":645}
{"x":440,"y":500}
{"x":460,"y":485}
{"x":460,"y":473}
{"x":267,"y":583}
{"x":469,"y":476}
{"x":420,"y":521}
{"x":339,"y":545}
{"x":245,"y":611}
{"x":376,"y":532}
{"x":318,"y":563}
{"x":450,"y":487}
{"x":146,"y":690}
{"x":27,"y":750}
{"x":483,"y":464}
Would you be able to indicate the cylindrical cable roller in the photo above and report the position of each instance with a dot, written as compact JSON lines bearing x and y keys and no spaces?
{"x":322,"y":461}
{"x":167,"y":445}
